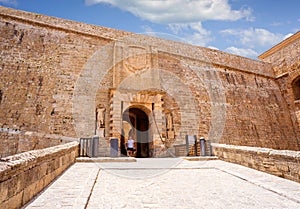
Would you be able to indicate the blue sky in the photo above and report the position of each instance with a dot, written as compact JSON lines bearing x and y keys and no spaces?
{"x":243,"y":27}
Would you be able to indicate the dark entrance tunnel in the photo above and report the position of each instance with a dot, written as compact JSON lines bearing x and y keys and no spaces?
{"x":140,"y":125}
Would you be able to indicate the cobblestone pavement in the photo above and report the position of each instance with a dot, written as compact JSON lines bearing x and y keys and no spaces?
{"x":167,"y":183}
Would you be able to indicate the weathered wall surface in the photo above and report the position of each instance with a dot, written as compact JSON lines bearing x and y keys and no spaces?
{"x":255,"y":108}
{"x":257,"y":115}
{"x":285,"y":60}
{"x":282,"y":163}
{"x":42,"y":60}
{"x":284,"y":57}
{"x":24,"y":175}
{"x":40,"y":63}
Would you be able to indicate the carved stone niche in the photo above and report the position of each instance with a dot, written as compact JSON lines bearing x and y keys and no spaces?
{"x":100,"y":121}
{"x":169,"y":122}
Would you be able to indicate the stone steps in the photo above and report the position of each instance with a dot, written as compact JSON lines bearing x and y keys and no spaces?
{"x":105,"y":160}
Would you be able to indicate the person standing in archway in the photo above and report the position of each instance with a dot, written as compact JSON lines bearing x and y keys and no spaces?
{"x":130,"y":147}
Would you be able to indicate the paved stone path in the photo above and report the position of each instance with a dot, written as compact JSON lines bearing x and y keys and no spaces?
{"x":167,"y":183}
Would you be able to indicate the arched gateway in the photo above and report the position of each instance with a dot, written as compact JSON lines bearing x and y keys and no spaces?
{"x":136,"y":124}
{"x":145,"y":84}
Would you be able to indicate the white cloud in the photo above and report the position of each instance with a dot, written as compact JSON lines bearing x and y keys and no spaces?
{"x":177,"y":28}
{"x":242,"y":52}
{"x":183,"y":17}
{"x":254,"y":37}
{"x":147,"y":29}
{"x":9,"y":2}
{"x":178,"y":11}
{"x":288,"y":35}
{"x":192,"y":33}
{"x":213,"y":47}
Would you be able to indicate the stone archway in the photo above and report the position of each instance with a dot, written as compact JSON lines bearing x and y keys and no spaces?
{"x":139,"y":127}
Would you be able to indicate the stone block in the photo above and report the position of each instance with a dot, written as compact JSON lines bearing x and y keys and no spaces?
{"x":12,"y":185}
{"x":282,"y":166}
{"x":291,"y":177}
{"x":4,"y":191}
{"x":294,"y":167}
{"x":21,"y":181}
{"x":29,"y":192}
{"x":47,"y":179}
{"x":15,"y":201}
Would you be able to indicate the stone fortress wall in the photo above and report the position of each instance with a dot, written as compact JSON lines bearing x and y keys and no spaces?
{"x":238,"y":100}
{"x":285,"y":61}
{"x":47,"y":63}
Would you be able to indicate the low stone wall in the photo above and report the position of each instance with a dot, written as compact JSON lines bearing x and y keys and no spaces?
{"x":282,"y":163}
{"x":15,"y":141}
{"x":24,"y":175}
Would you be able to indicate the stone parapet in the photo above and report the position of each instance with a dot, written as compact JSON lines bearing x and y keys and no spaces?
{"x":14,"y":141}
{"x":24,"y":175}
{"x":282,"y":163}
{"x":62,"y":24}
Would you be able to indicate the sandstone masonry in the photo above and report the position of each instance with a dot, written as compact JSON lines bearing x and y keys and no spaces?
{"x":282,"y":163}
{"x":24,"y":175}
{"x":77,"y":80}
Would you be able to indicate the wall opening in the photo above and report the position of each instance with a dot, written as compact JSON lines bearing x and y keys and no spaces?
{"x":136,"y":123}
{"x":1,"y":96}
{"x":296,"y":88}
